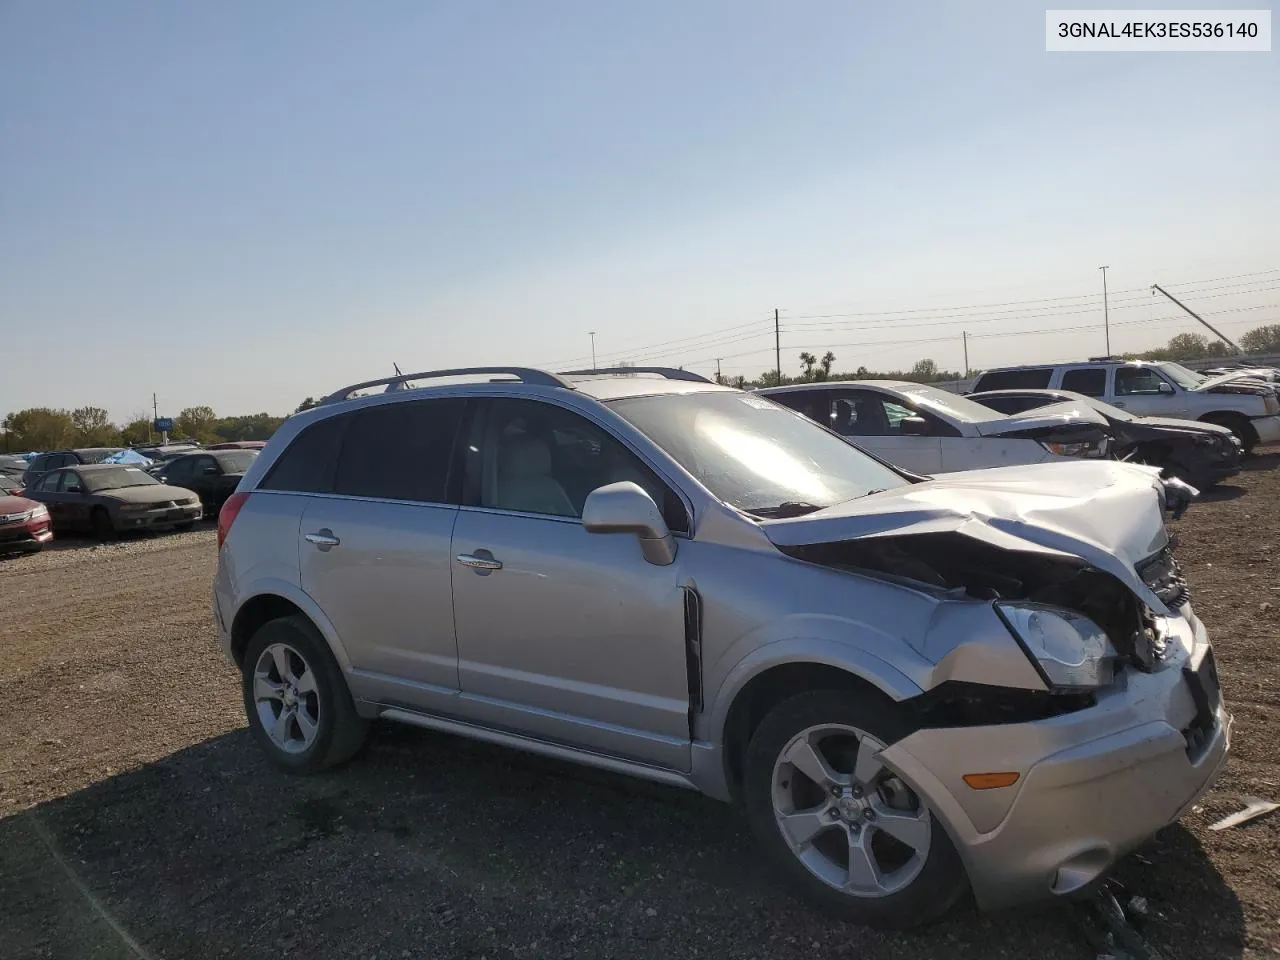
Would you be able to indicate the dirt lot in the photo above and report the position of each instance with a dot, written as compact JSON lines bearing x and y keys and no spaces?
{"x":137,"y":820}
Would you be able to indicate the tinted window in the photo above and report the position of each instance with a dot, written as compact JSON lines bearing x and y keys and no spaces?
{"x":70,"y":482}
{"x":307,"y":464}
{"x":49,"y":482}
{"x":1137,"y":380}
{"x":536,"y":457}
{"x":1034,"y":378}
{"x":1012,"y":404}
{"x":400,"y":451}
{"x":178,"y":470}
{"x":1091,"y":381}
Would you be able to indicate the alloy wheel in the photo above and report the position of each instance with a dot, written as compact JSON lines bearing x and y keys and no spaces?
{"x":286,"y":698}
{"x":848,"y":818}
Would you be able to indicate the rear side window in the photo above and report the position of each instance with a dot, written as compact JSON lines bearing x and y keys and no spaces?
{"x":400,"y":451}
{"x":1091,"y":381}
{"x":1032,"y":378}
{"x":307,"y":464}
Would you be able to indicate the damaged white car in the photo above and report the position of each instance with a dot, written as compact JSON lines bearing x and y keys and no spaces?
{"x":991,"y":681}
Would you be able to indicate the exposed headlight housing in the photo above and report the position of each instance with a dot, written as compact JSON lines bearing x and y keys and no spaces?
{"x":38,"y":513}
{"x":1094,"y":449}
{"x":1071,"y":652}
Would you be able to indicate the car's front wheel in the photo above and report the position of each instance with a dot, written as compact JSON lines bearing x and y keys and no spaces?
{"x":842,"y":826}
{"x":297,"y":702}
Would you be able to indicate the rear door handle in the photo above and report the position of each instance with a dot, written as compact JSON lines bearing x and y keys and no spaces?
{"x":324,"y":539}
{"x":478,"y":563}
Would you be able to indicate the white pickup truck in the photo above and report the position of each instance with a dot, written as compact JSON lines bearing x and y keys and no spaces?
{"x":1248,"y":407}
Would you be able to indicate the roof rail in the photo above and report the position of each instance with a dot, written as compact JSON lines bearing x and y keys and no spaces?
{"x":671,"y":373}
{"x":523,"y":374}
{"x":1106,"y":359}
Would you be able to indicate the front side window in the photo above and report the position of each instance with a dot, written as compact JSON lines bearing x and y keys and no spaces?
{"x":754,"y":454}
{"x":1091,"y":381}
{"x":71,"y":483}
{"x":178,"y":470}
{"x":1137,"y":381}
{"x":400,"y":451}
{"x":534,"y":457}
{"x":49,"y":482}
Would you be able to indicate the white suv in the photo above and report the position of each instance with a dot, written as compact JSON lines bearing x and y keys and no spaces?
{"x":1247,"y":407}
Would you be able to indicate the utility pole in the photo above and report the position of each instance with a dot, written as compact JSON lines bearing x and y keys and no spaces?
{"x":592,"y":334}
{"x":1227,"y":340}
{"x":964,"y":338}
{"x":1106,"y":313}
{"x":777,"y":344}
{"x":155,"y":411}
{"x":718,"y":377}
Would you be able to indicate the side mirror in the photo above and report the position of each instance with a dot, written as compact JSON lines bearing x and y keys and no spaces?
{"x":913,"y":427}
{"x":1165,"y":388}
{"x":624,"y":507}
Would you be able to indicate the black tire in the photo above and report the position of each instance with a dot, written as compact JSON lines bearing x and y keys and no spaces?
{"x":340,"y":731}
{"x":940,"y":882}
{"x":101,"y":525}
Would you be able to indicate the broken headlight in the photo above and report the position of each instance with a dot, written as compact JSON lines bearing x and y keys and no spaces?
{"x":1071,"y":652}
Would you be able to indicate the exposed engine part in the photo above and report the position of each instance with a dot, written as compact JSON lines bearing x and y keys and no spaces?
{"x":953,"y":561}
{"x":959,"y":704}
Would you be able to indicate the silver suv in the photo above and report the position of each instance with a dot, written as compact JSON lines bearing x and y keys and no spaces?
{"x":993,"y":680}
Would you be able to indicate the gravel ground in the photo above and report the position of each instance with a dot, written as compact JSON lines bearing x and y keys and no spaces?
{"x":137,"y":819}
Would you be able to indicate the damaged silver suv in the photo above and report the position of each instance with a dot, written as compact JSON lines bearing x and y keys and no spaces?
{"x":993,"y":680}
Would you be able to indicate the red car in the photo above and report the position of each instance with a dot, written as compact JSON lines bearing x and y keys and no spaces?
{"x":24,"y":524}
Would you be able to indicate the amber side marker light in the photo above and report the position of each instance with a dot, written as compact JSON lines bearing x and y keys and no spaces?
{"x":990,"y":781}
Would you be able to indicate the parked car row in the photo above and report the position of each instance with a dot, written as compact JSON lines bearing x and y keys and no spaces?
{"x":989,"y":680}
{"x":81,"y":491}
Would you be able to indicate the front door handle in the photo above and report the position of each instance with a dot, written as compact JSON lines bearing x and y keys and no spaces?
{"x":324,"y":539}
{"x":476,"y":562}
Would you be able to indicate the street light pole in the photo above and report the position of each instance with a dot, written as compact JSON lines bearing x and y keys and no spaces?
{"x":1106,"y":312}
{"x":593,"y":348}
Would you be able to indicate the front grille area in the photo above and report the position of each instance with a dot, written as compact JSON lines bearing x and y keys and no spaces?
{"x":1163,"y":575}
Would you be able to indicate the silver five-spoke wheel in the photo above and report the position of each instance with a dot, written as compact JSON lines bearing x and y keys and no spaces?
{"x":286,"y":697}
{"x":852,"y":823}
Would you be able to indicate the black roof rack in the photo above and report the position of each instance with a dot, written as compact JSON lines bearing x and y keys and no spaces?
{"x":1106,"y":360}
{"x":671,"y":373}
{"x":399,"y":382}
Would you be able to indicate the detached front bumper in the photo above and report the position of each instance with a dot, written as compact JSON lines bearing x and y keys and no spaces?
{"x":1092,"y":785}
{"x":1267,"y":429}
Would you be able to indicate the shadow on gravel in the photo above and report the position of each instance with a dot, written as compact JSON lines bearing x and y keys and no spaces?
{"x":1220,"y":493}
{"x":428,"y":846}
{"x":1261,"y":461}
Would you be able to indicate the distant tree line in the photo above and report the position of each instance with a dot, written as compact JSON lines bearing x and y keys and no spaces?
{"x":44,"y":428}
{"x":816,"y":370}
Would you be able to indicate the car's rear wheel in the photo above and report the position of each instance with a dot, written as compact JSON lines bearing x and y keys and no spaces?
{"x":842,"y":826}
{"x":101,"y":525}
{"x":299,"y":708}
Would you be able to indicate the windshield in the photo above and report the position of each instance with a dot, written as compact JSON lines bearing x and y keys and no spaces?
{"x":950,"y":406}
{"x":238,"y":461}
{"x":116,"y":478}
{"x":756,"y":455}
{"x":1186,"y":379}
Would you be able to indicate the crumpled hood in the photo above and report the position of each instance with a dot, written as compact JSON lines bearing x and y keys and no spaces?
{"x":1104,"y":512}
{"x":1262,"y":387}
{"x":1065,"y":414}
{"x":1188,"y":426}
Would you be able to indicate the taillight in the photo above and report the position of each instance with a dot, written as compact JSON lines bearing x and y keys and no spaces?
{"x":227,"y":515}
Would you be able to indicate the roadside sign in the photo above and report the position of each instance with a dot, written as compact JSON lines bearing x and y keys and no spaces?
{"x":164,"y":424}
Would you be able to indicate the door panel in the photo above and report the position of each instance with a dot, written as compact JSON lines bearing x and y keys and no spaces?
{"x":979,"y":453}
{"x":576,"y":638}
{"x":385,"y":586}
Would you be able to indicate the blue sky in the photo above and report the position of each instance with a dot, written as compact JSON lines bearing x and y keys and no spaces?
{"x":241,"y":204}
